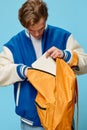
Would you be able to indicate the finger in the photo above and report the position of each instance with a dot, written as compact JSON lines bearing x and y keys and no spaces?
{"x":57,"y":53}
{"x":49,"y":52}
{"x":54,"y":54}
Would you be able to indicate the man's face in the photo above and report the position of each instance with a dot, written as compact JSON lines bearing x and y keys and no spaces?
{"x":38,"y":29}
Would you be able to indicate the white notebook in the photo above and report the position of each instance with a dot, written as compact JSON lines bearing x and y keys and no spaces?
{"x":45,"y":64}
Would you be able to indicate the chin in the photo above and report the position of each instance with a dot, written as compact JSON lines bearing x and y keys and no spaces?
{"x":38,"y":37}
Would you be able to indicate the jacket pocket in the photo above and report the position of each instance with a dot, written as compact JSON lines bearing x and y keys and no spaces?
{"x":18,"y":93}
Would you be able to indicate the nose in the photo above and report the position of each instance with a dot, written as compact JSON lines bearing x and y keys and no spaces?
{"x":37,"y":34}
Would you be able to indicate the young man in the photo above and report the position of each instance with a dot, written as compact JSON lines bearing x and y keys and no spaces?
{"x":24,"y":48}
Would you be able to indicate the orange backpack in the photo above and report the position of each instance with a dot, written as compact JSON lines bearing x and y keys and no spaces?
{"x":55,"y":100}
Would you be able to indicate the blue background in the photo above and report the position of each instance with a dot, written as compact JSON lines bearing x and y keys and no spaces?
{"x":68,"y":14}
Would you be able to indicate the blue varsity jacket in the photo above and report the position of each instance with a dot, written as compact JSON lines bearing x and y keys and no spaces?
{"x":23,"y":53}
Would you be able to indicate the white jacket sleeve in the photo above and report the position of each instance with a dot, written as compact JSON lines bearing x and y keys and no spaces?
{"x":8,"y":70}
{"x":73,"y":45}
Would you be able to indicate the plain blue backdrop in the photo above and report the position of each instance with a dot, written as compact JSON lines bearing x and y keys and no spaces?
{"x":68,"y":14}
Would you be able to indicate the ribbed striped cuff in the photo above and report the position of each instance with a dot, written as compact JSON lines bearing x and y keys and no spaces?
{"x":21,"y":71}
{"x":66,"y":55}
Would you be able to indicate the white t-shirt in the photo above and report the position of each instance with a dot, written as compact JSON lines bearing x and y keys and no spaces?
{"x":36,"y":44}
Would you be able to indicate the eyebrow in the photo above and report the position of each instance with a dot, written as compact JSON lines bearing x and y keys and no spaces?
{"x":38,"y":29}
